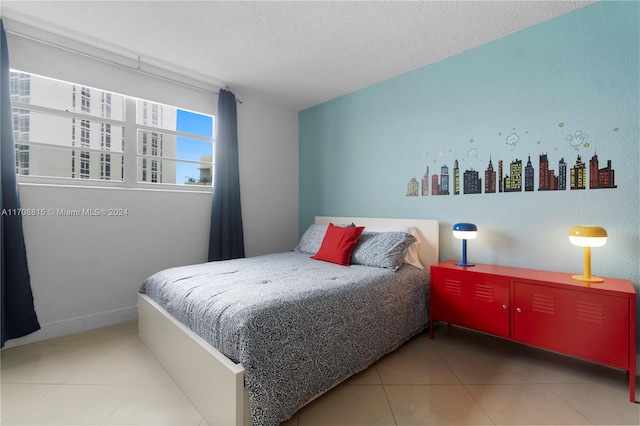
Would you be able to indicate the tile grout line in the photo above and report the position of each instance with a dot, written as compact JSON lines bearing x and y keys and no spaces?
{"x":91,"y":364}
{"x":386,"y":396}
{"x":569,"y":404}
{"x":464,"y":385}
{"x":108,"y":416}
{"x":55,"y":386}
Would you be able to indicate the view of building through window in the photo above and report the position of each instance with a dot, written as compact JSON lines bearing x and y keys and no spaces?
{"x":65,"y":130}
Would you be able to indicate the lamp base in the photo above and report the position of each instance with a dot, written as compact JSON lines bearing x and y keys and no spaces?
{"x":588,"y":279}
{"x":465,"y":264}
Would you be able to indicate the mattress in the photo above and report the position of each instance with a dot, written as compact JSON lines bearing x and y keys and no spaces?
{"x":298,"y":326}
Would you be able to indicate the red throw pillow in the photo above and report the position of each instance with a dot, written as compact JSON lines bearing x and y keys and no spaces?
{"x":337,"y":244}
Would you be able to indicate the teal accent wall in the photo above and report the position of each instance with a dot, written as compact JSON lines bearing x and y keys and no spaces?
{"x":565,"y":87}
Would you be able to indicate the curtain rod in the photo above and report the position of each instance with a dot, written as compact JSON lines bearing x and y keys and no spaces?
{"x":150,"y":74}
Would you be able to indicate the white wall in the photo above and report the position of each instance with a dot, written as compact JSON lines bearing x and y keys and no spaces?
{"x":86,"y":271}
{"x":268,"y":149}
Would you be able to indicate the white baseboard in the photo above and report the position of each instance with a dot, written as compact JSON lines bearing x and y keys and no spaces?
{"x":76,"y":325}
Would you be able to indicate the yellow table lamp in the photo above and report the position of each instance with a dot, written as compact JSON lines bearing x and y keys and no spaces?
{"x":587,"y":237}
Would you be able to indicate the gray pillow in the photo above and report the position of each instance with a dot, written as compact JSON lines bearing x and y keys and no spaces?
{"x":382,"y":249}
{"x":312,"y":238}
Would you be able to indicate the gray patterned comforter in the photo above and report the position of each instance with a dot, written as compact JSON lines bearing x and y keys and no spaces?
{"x":298,"y":326}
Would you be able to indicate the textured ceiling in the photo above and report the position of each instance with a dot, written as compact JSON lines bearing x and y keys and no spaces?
{"x":302,"y":52}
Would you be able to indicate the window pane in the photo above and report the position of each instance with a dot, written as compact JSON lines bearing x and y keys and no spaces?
{"x":156,"y":144}
{"x":156,"y":170}
{"x":194,"y":149}
{"x":203,"y":177}
{"x":34,"y":126}
{"x":155,"y":115}
{"x":195,"y":174}
{"x":69,"y":163}
{"x":197,"y":124}
{"x":45,"y":92}
{"x":162,"y":170}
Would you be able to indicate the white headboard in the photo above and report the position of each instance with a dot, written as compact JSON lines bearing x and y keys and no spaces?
{"x":428,"y":251}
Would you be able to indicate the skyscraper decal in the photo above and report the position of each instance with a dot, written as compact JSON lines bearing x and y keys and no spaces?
{"x":551,"y":173}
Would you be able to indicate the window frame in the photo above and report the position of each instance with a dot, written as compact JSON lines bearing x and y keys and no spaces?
{"x":129,"y":151}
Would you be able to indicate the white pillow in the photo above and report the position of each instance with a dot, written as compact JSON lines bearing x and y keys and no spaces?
{"x":412,"y":253}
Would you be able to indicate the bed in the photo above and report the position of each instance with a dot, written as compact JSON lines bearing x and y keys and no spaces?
{"x":289,"y":346}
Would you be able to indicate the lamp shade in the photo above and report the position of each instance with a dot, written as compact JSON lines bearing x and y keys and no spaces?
{"x":465,"y":231}
{"x":588,"y":236}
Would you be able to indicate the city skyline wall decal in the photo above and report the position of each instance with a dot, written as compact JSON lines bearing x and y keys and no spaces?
{"x":519,"y":175}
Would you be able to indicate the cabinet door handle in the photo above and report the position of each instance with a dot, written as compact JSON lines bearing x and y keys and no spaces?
{"x":504,"y":306}
{"x":518,"y":310}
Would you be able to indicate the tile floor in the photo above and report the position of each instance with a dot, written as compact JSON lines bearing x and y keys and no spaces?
{"x":108,"y":377}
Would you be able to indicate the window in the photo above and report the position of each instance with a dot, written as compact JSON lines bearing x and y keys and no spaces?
{"x":66,"y":130}
{"x":86,"y":99}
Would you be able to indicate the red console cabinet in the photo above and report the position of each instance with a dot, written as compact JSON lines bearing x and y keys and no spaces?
{"x":550,"y":310}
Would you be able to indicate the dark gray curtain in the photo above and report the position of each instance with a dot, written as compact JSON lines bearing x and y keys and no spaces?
{"x":226,"y":238}
{"x":18,"y":317}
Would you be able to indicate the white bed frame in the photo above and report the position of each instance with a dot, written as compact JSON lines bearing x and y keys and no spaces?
{"x":212,"y":382}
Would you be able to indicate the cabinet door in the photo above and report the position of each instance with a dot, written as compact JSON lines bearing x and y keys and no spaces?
{"x":471,"y":300}
{"x":587,"y":325}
